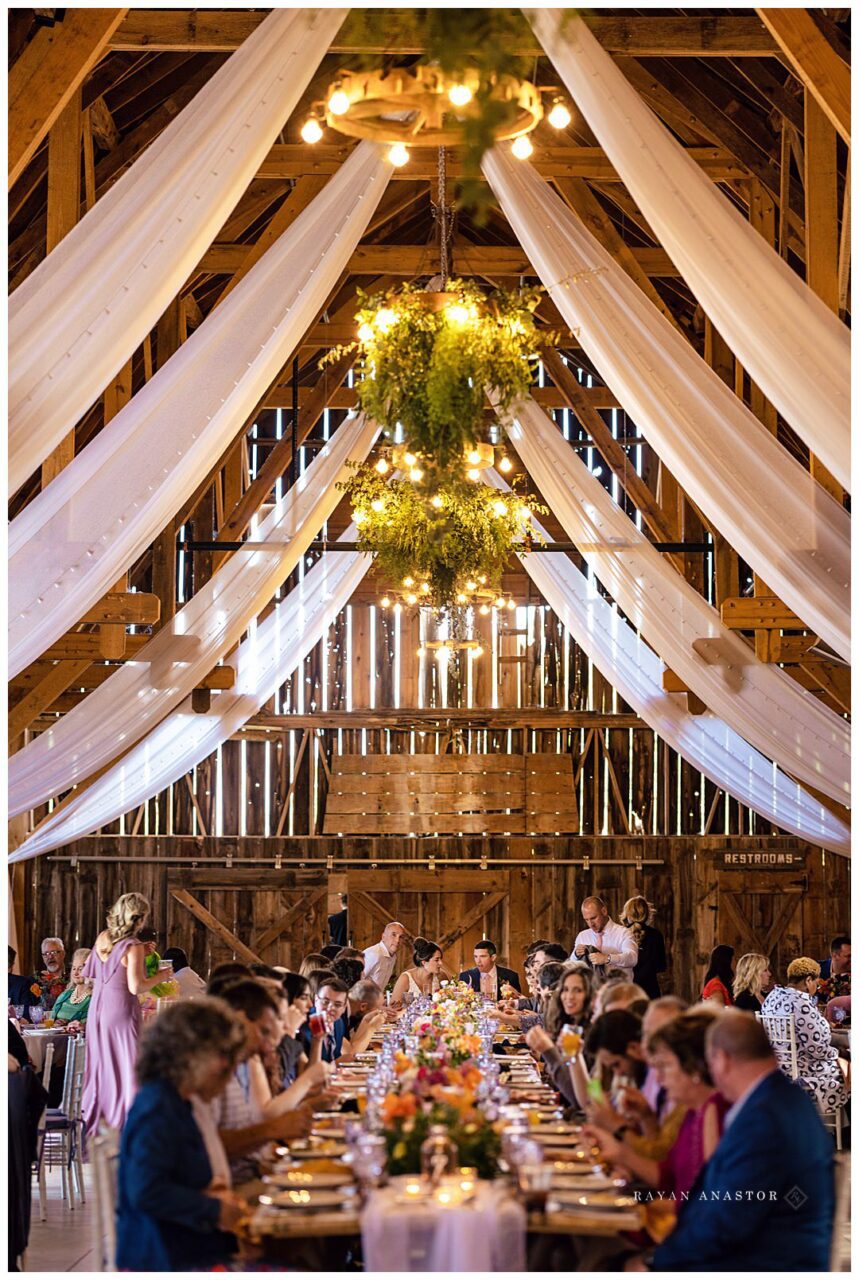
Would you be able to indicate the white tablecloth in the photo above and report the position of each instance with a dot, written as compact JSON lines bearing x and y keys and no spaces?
{"x":37,"y":1044}
{"x":488,"y":1234}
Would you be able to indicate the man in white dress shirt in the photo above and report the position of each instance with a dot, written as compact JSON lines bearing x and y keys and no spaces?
{"x":615,"y":946}
{"x":379,"y":961}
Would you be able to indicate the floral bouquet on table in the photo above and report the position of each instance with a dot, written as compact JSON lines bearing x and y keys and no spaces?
{"x":408,"y":1117}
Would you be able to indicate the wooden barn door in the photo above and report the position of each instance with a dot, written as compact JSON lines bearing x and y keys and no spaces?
{"x":455,"y":908}
{"x":761,"y":912}
{"x":268,"y":917}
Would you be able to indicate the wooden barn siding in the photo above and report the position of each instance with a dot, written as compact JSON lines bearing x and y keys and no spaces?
{"x":72,"y":901}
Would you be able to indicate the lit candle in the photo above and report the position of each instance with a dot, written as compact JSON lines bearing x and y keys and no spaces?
{"x":413,"y":1188}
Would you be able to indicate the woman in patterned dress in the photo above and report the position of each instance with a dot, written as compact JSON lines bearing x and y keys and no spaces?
{"x":820,"y":1072}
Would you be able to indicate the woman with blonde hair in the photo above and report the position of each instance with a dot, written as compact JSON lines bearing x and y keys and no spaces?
{"x":651,"y":945}
{"x":117,"y":969}
{"x":752,"y":980}
{"x":819,"y":1070}
{"x":71,"y":1008}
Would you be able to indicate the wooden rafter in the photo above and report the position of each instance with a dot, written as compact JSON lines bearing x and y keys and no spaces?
{"x":815,"y":62}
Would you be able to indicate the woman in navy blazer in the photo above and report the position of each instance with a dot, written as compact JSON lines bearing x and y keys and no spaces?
{"x":170,"y":1214}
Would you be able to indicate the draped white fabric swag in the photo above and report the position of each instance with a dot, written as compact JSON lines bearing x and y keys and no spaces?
{"x":795,"y":348}
{"x":708,"y":744}
{"x":262,"y":662}
{"x":756,"y":699}
{"x":793,"y":533}
{"x":142,"y":691}
{"x":80,"y":534}
{"x":76,"y":320}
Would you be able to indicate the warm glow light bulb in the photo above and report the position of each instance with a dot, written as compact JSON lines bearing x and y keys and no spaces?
{"x":416,"y":474}
{"x":460,"y":95}
{"x":471,"y":586}
{"x":474,"y":457}
{"x":484,"y":609}
{"x":511,"y":604}
{"x":525,"y":513}
{"x":425,"y":588}
{"x":473,"y":473}
{"x":408,"y":582}
{"x":436,"y":501}
{"x":500,"y":602}
{"x":365,"y":333}
{"x":411,"y":599}
{"x":399,"y":155}
{"x":312,"y":130}
{"x":385,"y":602}
{"x":382,"y":466}
{"x":522,"y":148}
{"x":384,"y":319}
{"x":559,"y":117}
{"x":359,"y":517}
{"x":458,"y":314}
{"x":481,"y":578}
{"x":420,"y":653}
{"x":500,"y":508}
{"x":461,"y":599}
{"x":338,"y":103}
{"x":377,"y":505}
{"x":505,"y":465}
{"x":410,"y":459}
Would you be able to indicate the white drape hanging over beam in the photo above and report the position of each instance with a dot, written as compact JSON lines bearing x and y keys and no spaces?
{"x":634,"y":670}
{"x":76,"y":320}
{"x":794,"y":347}
{"x":79,"y":535}
{"x":262,"y":662}
{"x":756,"y":699}
{"x":779,"y":519}
{"x":142,"y":691}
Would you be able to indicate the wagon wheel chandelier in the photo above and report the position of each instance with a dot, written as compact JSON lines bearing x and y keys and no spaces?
{"x":422,"y":106}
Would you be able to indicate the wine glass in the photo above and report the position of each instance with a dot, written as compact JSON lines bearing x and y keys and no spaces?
{"x":37,"y":1013}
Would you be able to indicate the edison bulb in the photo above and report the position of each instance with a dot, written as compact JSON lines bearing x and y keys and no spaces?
{"x":359,"y":517}
{"x":385,"y":602}
{"x":484,"y":609}
{"x":377,"y":505}
{"x":365,"y":333}
{"x":482,"y":579}
{"x":511,"y":604}
{"x":460,"y":95}
{"x":416,"y":474}
{"x":461,"y":599}
{"x":470,"y":586}
{"x":559,"y":117}
{"x":525,"y":513}
{"x":505,"y":465}
{"x":473,"y":473}
{"x":477,"y":653}
{"x":408,"y":582}
{"x":500,"y":602}
{"x":411,"y":599}
{"x":458,"y":314}
{"x":312,"y":130}
{"x":500,"y":508}
{"x":425,"y":588}
{"x":385,"y":318}
{"x":419,"y":652}
{"x":436,"y":501}
{"x":522,"y":148}
{"x":399,"y":155}
{"x":410,"y":459}
{"x":382,"y":466}
{"x":474,"y":457}
{"x":338,"y":103}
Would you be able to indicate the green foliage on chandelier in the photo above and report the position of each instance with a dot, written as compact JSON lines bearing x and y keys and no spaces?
{"x":426,"y":367}
{"x":447,"y":540}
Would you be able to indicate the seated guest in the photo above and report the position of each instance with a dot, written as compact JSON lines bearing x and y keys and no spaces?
{"x":570,"y":1001}
{"x":23,"y":990}
{"x":332,"y":1001}
{"x":677,"y":1053}
{"x":745,"y":1212}
{"x":548,"y":976}
{"x":170,"y":1214}
{"x":229,"y":969}
{"x":838,"y":960}
{"x":316,"y":977}
{"x":291,"y":1050}
{"x":817,"y":1060}
{"x":423,"y":978}
{"x":652,"y":960}
{"x":614,"y":1044}
{"x":487,"y":977}
{"x":240,"y":1110}
{"x":316,"y":960}
{"x":190,"y":984}
{"x":719,"y":978}
{"x":348,"y":969}
{"x":365,"y":997}
{"x":752,"y":981}
{"x":331,"y":951}
{"x":52,"y":979}
{"x":72,"y":1006}
{"x":620,"y":995}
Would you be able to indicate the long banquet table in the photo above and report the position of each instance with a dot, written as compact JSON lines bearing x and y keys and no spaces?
{"x":583,"y":1199}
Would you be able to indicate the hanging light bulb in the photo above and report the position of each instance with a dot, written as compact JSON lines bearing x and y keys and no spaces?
{"x":484,"y":609}
{"x":511,"y":604}
{"x":382,"y":466}
{"x":474,"y":457}
{"x":377,"y":505}
{"x":338,"y":103}
{"x":473,"y":473}
{"x":481,"y":578}
{"x":420,"y":652}
{"x":385,"y":602}
{"x":478,"y":652}
{"x":416,"y":474}
{"x":460,"y":95}
{"x":411,"y":599}
{"x":398,"y":155}
{"x":559,"y":117}
{"x":524,"y":513}
{"x":385,"y":317}
{"x":408,"y":582}
{"x":359,"y":517}
{"x":522,"y":147}
{"x":311,"y":131}
{"x":365,"y":333}
{"x":500,"y":602}
{"x":505,"y":465}
{"x":437,"y":501}
{"x":425,"y":587}
{"x":500,"y":508}
{"x":461,"y":599}
{"x":470,"y":586}
{"x":457,"y":314}
{"x":410,"y":459}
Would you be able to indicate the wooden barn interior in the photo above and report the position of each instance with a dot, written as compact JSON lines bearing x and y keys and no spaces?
{"x":465,"y":797}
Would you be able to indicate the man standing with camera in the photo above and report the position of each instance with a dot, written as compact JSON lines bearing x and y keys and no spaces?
{"x":604,"y":944}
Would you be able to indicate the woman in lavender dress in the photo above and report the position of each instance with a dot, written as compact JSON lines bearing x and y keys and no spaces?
{"x":117,"y":970}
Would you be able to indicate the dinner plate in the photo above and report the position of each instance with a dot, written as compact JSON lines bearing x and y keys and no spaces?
{"x":554,"y":1137}
{"x":295,"y":1179}
{"x":558,"y":1128}
{"x":600,"y":1200}
{"x":307,"y":1199}
{"x":325,"y":1147}
{"x":584,"y":1182}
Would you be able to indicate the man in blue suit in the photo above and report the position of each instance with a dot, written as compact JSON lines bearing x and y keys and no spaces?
{"x":487,"y":976}
{"x":765,"y":1199}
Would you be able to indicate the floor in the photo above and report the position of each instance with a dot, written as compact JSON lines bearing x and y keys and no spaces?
{"x":64,"y":1242}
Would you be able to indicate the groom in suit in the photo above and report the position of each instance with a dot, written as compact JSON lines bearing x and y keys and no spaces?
{"x":487,"y":977}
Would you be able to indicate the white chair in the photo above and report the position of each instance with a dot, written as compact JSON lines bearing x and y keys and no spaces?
{"x":834,"y":1120}
{"x":62,"y":1138}
{"x":839,"y":1217}
{"x":40,"y":1135}
{"x":104,"y":1159}
{"x":781,"y":1033}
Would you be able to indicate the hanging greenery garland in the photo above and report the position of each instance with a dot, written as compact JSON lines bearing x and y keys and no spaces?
{"x":445,"y":549}
{"x":426,"y":359}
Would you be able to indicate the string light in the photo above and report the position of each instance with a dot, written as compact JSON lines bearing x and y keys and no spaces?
{"x":385,"y":319}
{"x":359,"y":517}
{"x":410,"y":459}
{"x":408,"y":582}
{"x":505,"y":465}
{"x":311,"y":131}
{"x":365,"y":333}
{"x":522,"y":148}
{"x":500,"y":508}
{"x":398,"y":155}
{"x":473,"y":473}
{"x":474,"y":457}
{"x":437,"y":501}
{"x":411,"y":599}
{"x":338,"y":103}
{"x":460,"y":95}
{"x":377,"y":505}
{"x":559,"y":117}
{"x":511,"y":604}
{"x":500,"y":602}
{"x":416,"y":474}
{"x":425,"y":588}
{"x":382,"y":466}
{"x":385,"y":602}
{"x":484,"y":609}
{"x":471,"y":586}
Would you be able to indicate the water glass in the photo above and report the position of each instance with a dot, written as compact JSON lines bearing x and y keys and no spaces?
{"x":535,"y":1182}
{"x":36,"y":1014}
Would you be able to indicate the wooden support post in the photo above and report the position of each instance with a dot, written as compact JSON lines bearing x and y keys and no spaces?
{"x":284,"y":809}
{"x":55,"y":682}
{"x":225,"y":935}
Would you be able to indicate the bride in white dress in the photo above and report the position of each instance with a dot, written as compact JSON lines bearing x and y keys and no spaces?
{"x":423,"y":979}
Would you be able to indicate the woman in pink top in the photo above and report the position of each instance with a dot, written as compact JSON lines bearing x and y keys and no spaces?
{"x":719,"y":978}
{"x":117,"y":969}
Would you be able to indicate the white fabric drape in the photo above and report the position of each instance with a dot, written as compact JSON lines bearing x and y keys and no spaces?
{"x":79,"y":535}
{"x":141,"y":692}
{"x":262,"y":662}
{"x":793,"y":533}
{"x":76,"y":320}
{"x":707,"y":743}
{"x":757,"y":699}
{"x":794,"y":347}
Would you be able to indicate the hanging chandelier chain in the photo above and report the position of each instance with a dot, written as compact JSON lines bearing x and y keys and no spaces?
{"x":443,"y":213}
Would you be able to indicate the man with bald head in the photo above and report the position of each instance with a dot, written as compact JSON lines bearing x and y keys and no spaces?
{"x":380,"y":960}
{"x":603,"y":943}
{"x":765,"y":1199}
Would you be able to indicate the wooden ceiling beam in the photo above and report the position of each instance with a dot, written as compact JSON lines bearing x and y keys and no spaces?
{"x":814,"y":61}
{"x":280,"y":397}
{"x":51,"y":69}
{"x":221,"y":31}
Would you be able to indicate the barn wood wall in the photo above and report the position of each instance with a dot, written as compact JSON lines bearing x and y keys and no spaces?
{"x":538,"y":900}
